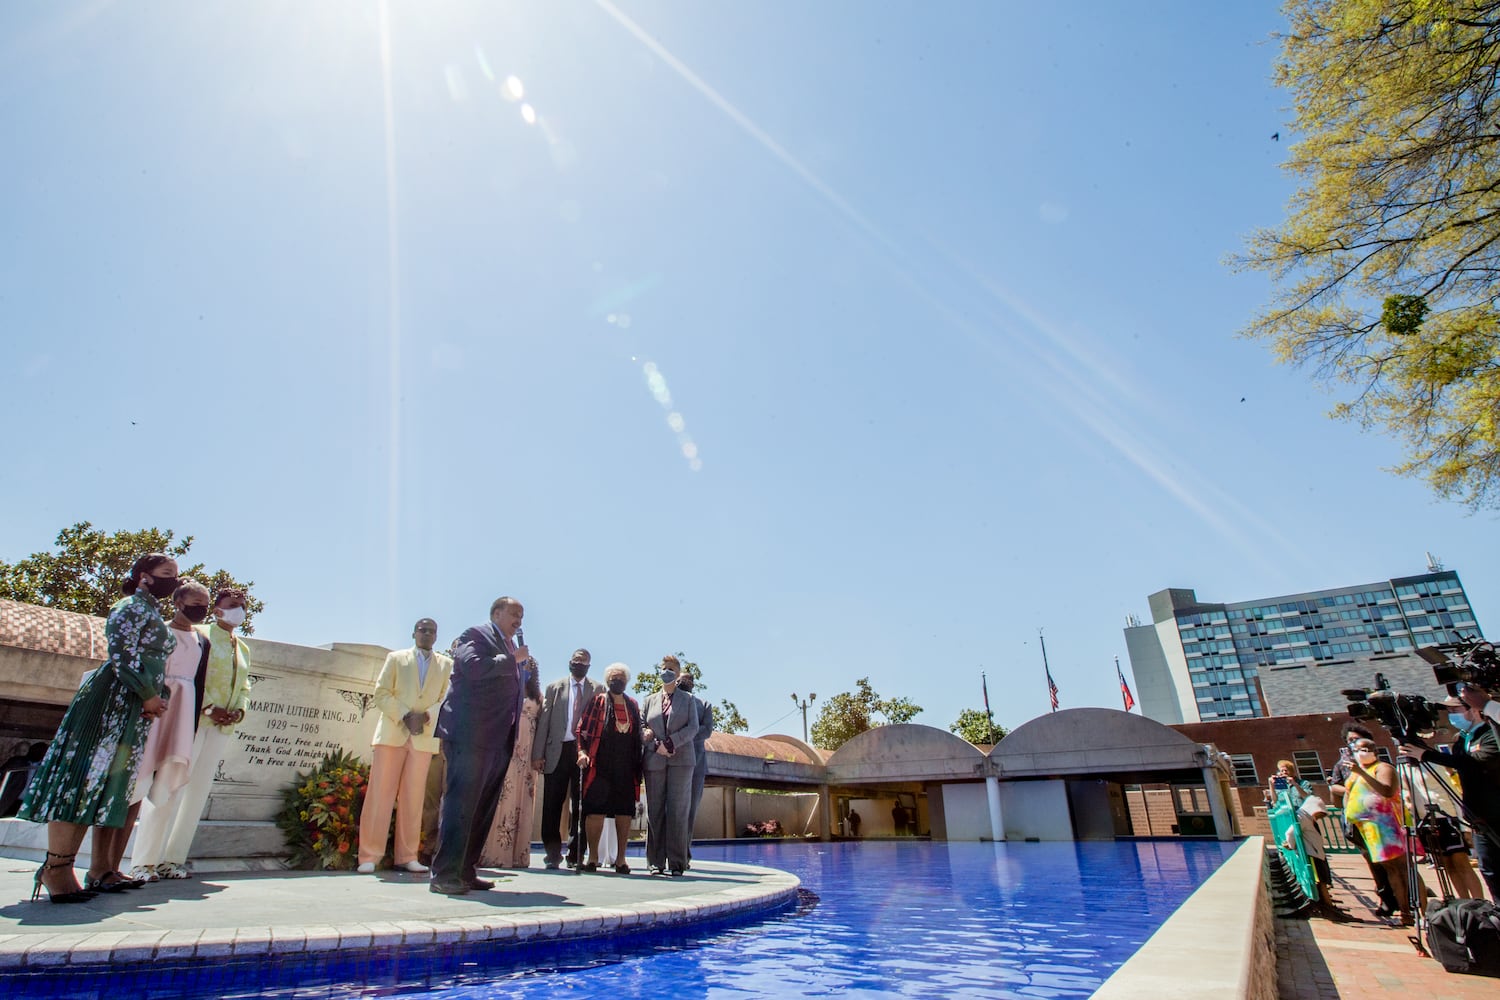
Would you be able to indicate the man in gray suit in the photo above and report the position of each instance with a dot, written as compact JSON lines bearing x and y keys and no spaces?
{"x":669,"y":721}
{"x":555,"y":754}
{"x":700,"y":748}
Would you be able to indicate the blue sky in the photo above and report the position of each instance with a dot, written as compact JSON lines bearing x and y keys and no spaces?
{"x":817,"y":341}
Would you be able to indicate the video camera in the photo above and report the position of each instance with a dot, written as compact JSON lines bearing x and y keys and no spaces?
{"x":1476,"y":664}
{"x":1407,"y":716}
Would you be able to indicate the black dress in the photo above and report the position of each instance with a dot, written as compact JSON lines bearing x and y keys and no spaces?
{"x":612,"y":791}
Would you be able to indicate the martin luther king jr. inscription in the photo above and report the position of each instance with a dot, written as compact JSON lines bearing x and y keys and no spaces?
{"x":305,"y":702}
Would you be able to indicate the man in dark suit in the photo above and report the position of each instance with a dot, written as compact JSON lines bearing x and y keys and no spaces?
{"x":477,"y":726}
{"x":555,"y":753}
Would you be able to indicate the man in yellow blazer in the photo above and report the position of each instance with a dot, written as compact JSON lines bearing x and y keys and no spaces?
{"x":408,"y":691}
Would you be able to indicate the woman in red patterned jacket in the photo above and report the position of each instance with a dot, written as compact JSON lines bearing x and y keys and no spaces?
{"x":609,"y":763}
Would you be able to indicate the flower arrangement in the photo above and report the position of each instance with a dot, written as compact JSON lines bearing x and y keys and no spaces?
{"x":320,"y":813}
{"x":770,"y":828}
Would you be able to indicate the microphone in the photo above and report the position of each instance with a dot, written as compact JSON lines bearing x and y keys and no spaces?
{"x":521,"y":641}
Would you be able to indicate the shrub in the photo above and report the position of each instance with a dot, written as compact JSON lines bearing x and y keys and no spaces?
{"x":320,"y":813}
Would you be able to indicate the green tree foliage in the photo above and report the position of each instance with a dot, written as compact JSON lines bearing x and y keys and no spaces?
{"x":727,"y":717}
{"x":1385,"y":268}
{"x":976,"y":727}
{"x":846,"y":715}
{"x":86,"y":571}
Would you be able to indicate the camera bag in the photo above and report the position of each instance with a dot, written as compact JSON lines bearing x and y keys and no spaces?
{"x":1464,"y":935}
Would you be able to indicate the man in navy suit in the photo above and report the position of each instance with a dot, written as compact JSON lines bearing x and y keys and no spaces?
{"x":477,"y":725}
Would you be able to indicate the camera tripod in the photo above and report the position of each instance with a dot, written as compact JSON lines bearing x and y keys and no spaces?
{"x":1407,"y":771}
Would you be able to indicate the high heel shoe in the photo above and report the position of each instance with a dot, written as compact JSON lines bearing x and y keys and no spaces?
{"x":63,"y":861}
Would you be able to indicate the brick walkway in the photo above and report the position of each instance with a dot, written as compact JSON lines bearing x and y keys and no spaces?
{"x":1372,"y":959}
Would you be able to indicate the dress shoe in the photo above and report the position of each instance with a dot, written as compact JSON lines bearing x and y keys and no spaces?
{"x":448,"y":888}
{"x":415,"y":867}
{"x":368,"y":868}
{"x":480,"y":884}
{"x":552,"y":866}
{"x":675,"y":873}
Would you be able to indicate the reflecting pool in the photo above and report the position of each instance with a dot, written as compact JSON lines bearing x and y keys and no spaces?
{"x":890,"y":918}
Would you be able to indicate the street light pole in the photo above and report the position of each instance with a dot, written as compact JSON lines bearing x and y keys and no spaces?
{"x":802,"y":704}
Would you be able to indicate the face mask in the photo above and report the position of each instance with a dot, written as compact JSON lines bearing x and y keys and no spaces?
{"x":667,"y":676}
{"x":160,"y":588}
{"x":194,"y":612}
{"x":617,"y":685}
{"x":578,"y":670}
{"x":1363,"y":755}
{"x":1460,"y":722}
{"x":232,"y":617}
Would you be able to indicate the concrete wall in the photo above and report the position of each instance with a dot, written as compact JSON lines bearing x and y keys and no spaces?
{"x":1093,"y":818}
{"x":797,"y":812}
{"x":1080,"y":741}
{"x":966,"y":812}
{"x":1220,"y":943}
{"x":904,"y":753}
{"x":1036,"y":809}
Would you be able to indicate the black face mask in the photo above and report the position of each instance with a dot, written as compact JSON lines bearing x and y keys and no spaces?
{"x":162,"y":588}
{"x":194,"y":612}
{"x":578,"y":670}
{"x":617,"y":686}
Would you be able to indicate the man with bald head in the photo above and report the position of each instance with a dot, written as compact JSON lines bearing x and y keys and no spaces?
{"x":478,"y":728}
{"x":408,"y":690}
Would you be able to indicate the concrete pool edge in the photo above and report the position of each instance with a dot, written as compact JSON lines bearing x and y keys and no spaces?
{"x":39,"y":951}
{"x":1220,"y":942}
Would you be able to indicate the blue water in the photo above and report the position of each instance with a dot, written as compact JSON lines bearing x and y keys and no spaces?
{"x":890,"y":918}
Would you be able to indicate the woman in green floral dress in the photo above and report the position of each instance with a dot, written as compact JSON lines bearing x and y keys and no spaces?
{"x":87,"y":776}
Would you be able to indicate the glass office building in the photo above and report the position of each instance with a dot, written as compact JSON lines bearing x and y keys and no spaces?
{"x":1197,"y":662}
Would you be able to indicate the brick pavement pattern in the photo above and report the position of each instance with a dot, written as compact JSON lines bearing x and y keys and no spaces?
{"x":1369,"y":960}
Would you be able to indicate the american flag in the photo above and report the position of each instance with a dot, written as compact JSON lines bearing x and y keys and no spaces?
{"x":1052,"y":690}
{"x":1124,"y":688}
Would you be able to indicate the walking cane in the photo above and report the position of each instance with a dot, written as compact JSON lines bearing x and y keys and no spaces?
{"x":578,"y":821}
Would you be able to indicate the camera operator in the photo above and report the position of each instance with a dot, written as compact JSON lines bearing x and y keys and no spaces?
{"x":1475,"y":755}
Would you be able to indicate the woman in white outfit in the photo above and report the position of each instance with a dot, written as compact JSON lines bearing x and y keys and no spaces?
{"x":218,"y":705}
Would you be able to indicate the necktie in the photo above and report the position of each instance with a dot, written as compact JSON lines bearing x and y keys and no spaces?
{"x":577,"y":708}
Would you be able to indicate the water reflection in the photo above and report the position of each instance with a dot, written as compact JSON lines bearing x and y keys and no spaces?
{"x":893,"y":918}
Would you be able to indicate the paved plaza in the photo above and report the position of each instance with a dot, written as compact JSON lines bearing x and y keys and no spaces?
{"x":261,"y":913}
{"x":1368,"y":960}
